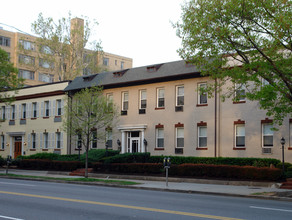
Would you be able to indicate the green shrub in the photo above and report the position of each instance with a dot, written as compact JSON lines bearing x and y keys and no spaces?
{"x":41,"y":156}
{"x":95,"y":155}
{"x":2,"y":161}
{"x":128,"y":158}
{"x":280,"y":165}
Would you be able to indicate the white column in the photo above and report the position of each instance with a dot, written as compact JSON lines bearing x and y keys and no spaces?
{"x":142,"y":143}
{"x":123,"y":142}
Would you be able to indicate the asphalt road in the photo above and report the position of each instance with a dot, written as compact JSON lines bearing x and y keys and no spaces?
{"x":30,"y":200}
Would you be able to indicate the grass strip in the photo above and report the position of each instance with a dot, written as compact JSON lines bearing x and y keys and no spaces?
{"x":83,"y":179}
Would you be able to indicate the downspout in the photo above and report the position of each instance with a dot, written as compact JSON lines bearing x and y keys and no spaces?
{"x":215,"y":118}
{"x":70,"y":136}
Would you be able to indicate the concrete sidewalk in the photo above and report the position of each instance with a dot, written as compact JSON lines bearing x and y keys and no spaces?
{"x":215,"y":187}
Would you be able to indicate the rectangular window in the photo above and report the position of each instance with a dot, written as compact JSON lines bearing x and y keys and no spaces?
{"x":239,"y":92}
{"x":268,"y":134}
{"x":33,"y":141}
{"x":58,"y":140}
{"x":122,"y":65}
{"x":59,"y":107}
{"x":240,"y":135}
{"x":202,"y":96}
{"x":47,"y":108}
{"x":25,"y":59}
{"x":109,"y":138}
{"x":3,"y":112}
{"x":13,"y":112}
{"x":110,"y":99}
{"x":143,"y":100}
{"x":179,"y":137}
{"x":179,"y":95}
{"x":34,"y":109}
{"x":26,"y":74}
{"x":46,"y":64}
{"x":159,"y":138}
{"x":125,"y":101}
{"x":94,"y":139}
{"x":202,"y":136}
{"x":46,"y":140}
{"x":2,"y":142}
{"x":23,"y":111}
{"x":48,"y":78}
{"x":105,"y":61}
{"x":27,"y":45}
{"x":160,"y":98}
{"x":46,"y":50}
{"x":5,"y":41}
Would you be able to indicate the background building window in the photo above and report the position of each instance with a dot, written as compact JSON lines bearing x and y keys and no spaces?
{"x":46,"y":77}
{"x":160,"y":98}
{"x":202,"y":136}
{"x":59,"y":107}
{"x":13,"y":112}
{"x":26,"y":74}
{"x":2,"y":142}
{"x":122,"y":65}
{"x":25,"y":59}
{"x":47,"y":108}
{"x":105,"y":61}
{"x":268,"y":134}
{"x":34,"y":110}
{"x":159,"y":138}
{"x":143,"y":100}
{"x":46,"y":64}
{"x":202,"y":96}
{"x":125,"y":101}
{"x":33,"y":141}
{"x":94,"y":139}
{"x":109,"y":138}
{"x":110,"y":99}
{"x":27,"y":45}
{"x":179,"y":95}
{"x":5,"y":41}
{"x":239,"y":92}
{"x":179,"y":137}
{"x":240,"y":135}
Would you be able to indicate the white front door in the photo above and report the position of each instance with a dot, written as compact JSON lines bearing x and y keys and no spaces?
{"x":134,"y":146}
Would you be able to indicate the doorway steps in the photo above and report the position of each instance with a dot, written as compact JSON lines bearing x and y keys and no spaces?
{"x":287,"y":184}
{"x":80,"y":172}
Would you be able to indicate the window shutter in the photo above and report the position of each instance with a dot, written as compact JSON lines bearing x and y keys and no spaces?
{"x":53,"y":140}
{"x":28,"y":109}
{"x":41,"y":140}
{"x":50,"y":114}
{"x":42,"y":109}
{"x":28,"y":141}
{"x":61,"y":140}
{"x":15,"y":116}
{"x":5,"y":141}
{"x":19,"y":111}
{"x":36,"y":140}
{"x":54,"y":107}
{"x":7,"y":116}
{"x":62,"y":107}
{"x":37,"y":109}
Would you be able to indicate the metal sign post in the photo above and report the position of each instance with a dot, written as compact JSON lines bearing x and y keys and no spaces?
{"x":166,"y":164}
{"x":8,"y":160}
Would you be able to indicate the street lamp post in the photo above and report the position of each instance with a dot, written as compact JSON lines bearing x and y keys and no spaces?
{"x":283,"y":144}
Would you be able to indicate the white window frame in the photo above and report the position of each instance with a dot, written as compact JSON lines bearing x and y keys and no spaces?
{"x":238,"y":92}
{"x":202,"y":85}
{"x":109,"y":137}
{"x":267,"y":135}
{"x":236,"y":127}
{"x":143,"y":98}
{"x":159,"y":96}
{"x":27,"y":45}
{"x":47,"y":109}
{"x":178,"y":96}
{"x":125,"y":99}
{"x":109,"y":100}
{"x":159,"y":136}
{"x":59,"y":107}
{"x":202,"y":136}
{"x":178,"y":136}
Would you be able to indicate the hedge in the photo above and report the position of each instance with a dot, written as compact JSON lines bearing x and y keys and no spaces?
{"x":193,"y":170}
{"x":128,"y":158}
{"x":41,"y":164}
{"x":2,"y":161}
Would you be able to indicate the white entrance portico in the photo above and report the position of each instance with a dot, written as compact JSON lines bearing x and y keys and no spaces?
{"x":132,"y":138}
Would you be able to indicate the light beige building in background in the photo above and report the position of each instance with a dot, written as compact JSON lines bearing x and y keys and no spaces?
{"x":32,"y":123}
{"x":37,"y":71}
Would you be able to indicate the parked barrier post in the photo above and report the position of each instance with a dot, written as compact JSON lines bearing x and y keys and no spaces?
{"x":8,"y":160}
{"x":166,"y":164}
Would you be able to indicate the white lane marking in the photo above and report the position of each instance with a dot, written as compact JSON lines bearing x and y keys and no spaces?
{"x":19,"y":184}
{"x":266,"y":208}
{"x":6,"y":217}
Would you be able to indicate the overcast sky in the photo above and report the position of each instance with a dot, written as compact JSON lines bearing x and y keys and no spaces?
{"x":139,"y":29}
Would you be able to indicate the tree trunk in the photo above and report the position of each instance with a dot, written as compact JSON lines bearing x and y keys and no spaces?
{"x":86,"y":164}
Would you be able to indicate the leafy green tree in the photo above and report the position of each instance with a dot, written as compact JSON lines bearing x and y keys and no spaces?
{"x":88,"y":116}
{"x":247,"y":42}
{"x":8,"y":77}
{"x":62,"y":46}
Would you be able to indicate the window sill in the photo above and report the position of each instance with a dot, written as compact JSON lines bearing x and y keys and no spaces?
{"x":157,"y":148}
{"x":2,"y":150}
{"x":33,"y":118}
{"x":32,"y":149}
{"x":202,"y":105}
{"x":57,"y":149}
{"x":239,"y":102}
{"x":239,"y":148}
{"x":46,"y":117}
{"x":45,"y":149}
{"x":201,"y":148}
{"x":159,"y":108}
{"x":58,"y":116}
{"x":289,"y":148}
